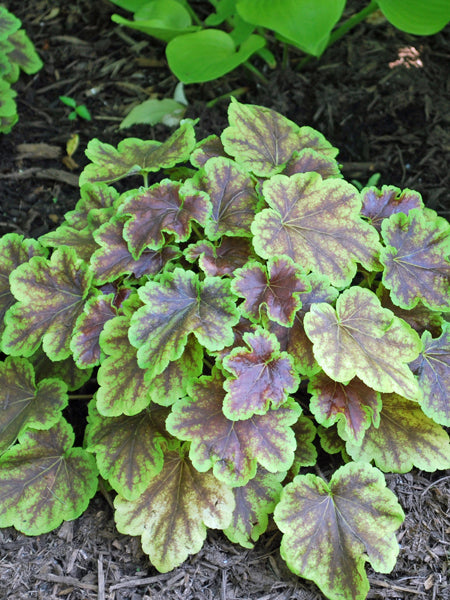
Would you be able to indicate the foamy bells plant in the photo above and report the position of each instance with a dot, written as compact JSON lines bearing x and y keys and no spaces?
{"x":242,"y":311}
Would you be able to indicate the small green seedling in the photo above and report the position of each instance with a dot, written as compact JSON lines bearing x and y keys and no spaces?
{"x":79,"y":110}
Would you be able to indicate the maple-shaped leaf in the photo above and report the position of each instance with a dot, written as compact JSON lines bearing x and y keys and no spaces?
{"x":134,"y":156}
{"x":175,"y":306}
{"x":311,"y":138}
{"x":432,"y":367}
{"x":207,"y":148}
{"x":232,"y":194}
{"x":276,"y":288}
{"x":85,"y":341}
{"x":378,"y":205}
{"x":127,"y":449}
{"x":318,"y":224}
{"x":243,"y":326}
{"x":81,"y":240}
{"x":173,"y":512}
{"x":309,"y":160}
{"x":354,"y":406}
{"x":232,"y":448}
{"x":254,"y":502}
{"x":360,"y":338}
{"x":172,"y":383}
{"x":263,"y":376}
{"x":65,"y":369}
{"x":259,"y":138}
{"x":124,"y":388}
{"x":294,"y":339}
{"x":305,"y":452}
{"x":95,"y":198}
{"x":14,"y":251}
{"x":405,"y":437}
{"x":222,"y":259}
{"x":24,"y":404}
{"x":330,"y":440}
{"x":45,"y":481}
{"x":416,"y":259}
{"x":51,"y":295}
{"x":331,"y":529}
{"x":163,"y":207}
{"x":113,"y":259}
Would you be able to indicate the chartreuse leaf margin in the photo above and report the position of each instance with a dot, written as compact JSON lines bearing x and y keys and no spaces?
{"x":213,"y":325}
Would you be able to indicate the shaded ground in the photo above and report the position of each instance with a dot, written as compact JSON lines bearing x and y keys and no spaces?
{"x":388,"y":119}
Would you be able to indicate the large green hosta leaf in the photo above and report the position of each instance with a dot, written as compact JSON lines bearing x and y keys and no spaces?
{"x":176,"y":306}
{"x":51,"y":295}
{"x":45,"y":481}
{"x":24,"y":404}
{"x":405,"y":437}
{"x":173,"y":512}
{"x":318,"y":224}
{"x":331,"y":530}
{"x":360,"y":338}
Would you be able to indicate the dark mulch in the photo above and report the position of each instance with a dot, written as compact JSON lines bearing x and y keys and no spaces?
{"x":383,"y":118}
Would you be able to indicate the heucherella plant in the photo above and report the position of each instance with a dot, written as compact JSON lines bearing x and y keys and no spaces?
{"x":240,"y":312}
{"x":16,"y":53}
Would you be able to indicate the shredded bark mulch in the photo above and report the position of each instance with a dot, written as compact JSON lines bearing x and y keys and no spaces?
{"x":385,"y":106}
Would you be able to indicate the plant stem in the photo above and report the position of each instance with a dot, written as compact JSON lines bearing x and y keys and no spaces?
{"x":255,"y":71}
{"x":145,"y":176}
{"x":235,"y":93}
{"x":80,"y":396}
{"x":192,"y":12}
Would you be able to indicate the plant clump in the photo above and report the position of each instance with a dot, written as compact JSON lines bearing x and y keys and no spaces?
{"x":242,"y":314}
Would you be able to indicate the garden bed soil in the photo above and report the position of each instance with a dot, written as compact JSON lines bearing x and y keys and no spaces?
{"x":386,"y":110}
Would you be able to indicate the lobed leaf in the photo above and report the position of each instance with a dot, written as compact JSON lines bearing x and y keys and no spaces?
{"x":174,"y":307}
{"x":51,"y":295}
{"x":45,"y":481}
{"x":416,"y":259}
{"x":311,"y":161}
{"x":360,"y":338}
{"x":276,"y":288}
{"x":205,"y":149}
{"x":9,"y":23}
{"x":432,"y":367}
{"x":317,"y":223}
{"x":331,"y":530}
{"x":66,"y":370}
{"x":405,"y":437}
{"x":305,"y":452}
{"x":24,"y":54}
{"x":172,"y":514}
{"x":24,"y":404}
{"x":232,"y":448}
{"x":81,"y":240}
{"x":223,"y":259}
{"x":94,"y":197}
{"x":378,"y":205}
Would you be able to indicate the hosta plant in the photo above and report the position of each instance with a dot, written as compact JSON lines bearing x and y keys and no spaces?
{"x":236,"y":319}
{"x":16,"y":53}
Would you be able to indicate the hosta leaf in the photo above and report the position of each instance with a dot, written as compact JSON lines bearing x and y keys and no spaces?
{"x":172,"y":383}
{"x":264,"y":376}
{"x":124,"y":388}
{"x":378,"y":205}
{"x":172,"y":514}
{"x":85,"y":341}
{"x":163,"y":207}
{"x":318,"y":224}
{"x":254,"y":502}
{"x":206,"y":149}
{"x":113,"y":259}
{"x":44,"y":481}
{"x":94,"y":197}
{"x":432,"y":368}
{"x":353,"y":406}
{"x":51,"y":295}
{"x":276,"y":288}
{"x":223,"y":259}
{"x":81,"y":240}
{"x":134,"y":156}
{"x":331,"y":530}
{"x":259,"y":138}
{"x":416,"y":259}
{"x":406,"y":437}
{"x":309,"y":160}
{"x":177,"y":305}
{"x":24,"y":404}
{"x":14,"y":250}
{"x":305,"y":453}
{"x":294,"y":339}
{"x":360,"y":338}
{"x":232,"y":448}
{"x":128,"y":449}
{"x":232,"y":193}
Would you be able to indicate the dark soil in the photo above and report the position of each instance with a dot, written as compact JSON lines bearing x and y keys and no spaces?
{"x":384,"y":118}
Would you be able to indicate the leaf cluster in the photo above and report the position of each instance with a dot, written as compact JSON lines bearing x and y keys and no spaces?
{"x":203,"y":49}
{"x":16,"y":53}
{"x":235,"y":319}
